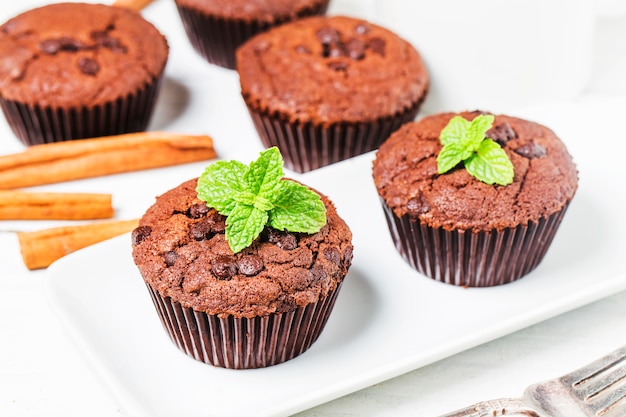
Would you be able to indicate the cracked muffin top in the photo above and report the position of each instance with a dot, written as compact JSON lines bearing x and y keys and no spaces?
{"x":70,"y":54}
{"x":405,"y":174}
{"x":181,"y":251}
{"x":331,"y":69}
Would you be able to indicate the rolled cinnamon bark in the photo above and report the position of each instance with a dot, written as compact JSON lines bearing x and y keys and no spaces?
{"x":23,"y":205}
{"x":40,"y":248}
{"x":86,"y":158}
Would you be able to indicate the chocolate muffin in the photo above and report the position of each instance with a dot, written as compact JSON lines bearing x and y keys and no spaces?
{"x":216,"y":28}
{"x":457,"y":229}
{"x":75,"y":70}
{"x":324,"y":89}
{"x":259,"y":307}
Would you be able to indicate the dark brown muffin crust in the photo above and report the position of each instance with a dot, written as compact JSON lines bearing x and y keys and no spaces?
{"x":331,"y":69}
{"x":405,"y":174}
{"x":181,"y":252}
{"x":75,"y":54}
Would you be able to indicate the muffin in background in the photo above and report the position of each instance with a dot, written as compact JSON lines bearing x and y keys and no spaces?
{"x":77,"y":70}
{"x":324,"y":89}
{"x":458,"y":229}
{"x":216,"y":28}
{"x":242,"y":305}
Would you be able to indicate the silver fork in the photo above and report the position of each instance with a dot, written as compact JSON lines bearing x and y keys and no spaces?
{"x":595,"y":390}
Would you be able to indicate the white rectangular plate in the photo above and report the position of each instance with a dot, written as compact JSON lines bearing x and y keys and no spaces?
{"x":388,"y":318}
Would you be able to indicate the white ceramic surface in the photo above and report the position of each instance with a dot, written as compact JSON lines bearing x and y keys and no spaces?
{"x":388,"y":319}
{"x":497,"y":55}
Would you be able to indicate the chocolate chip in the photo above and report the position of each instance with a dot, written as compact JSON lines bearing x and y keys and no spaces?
{"x":198,"y":210}
{"x":283,"y":240}
{"x":335,"y":50}
{"x":50,"y":46}
{"x":139,"y":234}
{"x":332,"y":255}
{"x":224,"y":267}
{"x":103,"y":39}
{"x":88,"y":66}
{"x":377,"y":45}
{"x":501,"y":133}
{"x":170,"y":258}
{"x":531,"y":150}
{"x":417,"y":205}
{"x":70,"y":44}
{"x":318,"y":273}
{"x":328,"y":36}
{"x":250,"y":265}
{"x":201,"y":230}
{"x":348,"y":255}
{"x":338,"y":65}
{"x":217,"y":222}
{"x":362,"y":29}
{"x":355,"y":49}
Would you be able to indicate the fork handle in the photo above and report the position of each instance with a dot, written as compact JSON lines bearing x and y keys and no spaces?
{"x":496,"y":408}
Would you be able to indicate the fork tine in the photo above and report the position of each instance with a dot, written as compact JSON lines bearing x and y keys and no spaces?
{"x":614,"y":405}
{"x":587,"y":372}
{"x":601,"y":385}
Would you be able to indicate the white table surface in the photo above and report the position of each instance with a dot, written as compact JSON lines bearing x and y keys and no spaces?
{"x":43,"y":373}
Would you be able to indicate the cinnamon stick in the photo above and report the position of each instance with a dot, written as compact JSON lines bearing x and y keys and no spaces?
{"x":135,"y":5}
{"x":23,"y":205}
{"x":40,"y":248}
{"x":86,"y":158}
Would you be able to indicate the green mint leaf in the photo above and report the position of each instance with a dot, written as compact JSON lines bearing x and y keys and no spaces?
{"x":449,"y":157}
{"x":490,"y":164}
{"x":220,"y":183}
{"x":265,"y":173}
{"x":478,"y":129}
{"x":243,"y":225}
{"x":465,"y":141}
{"x":297,"y":209}
{"x":256,"y":195}
{"x":454,"y":132}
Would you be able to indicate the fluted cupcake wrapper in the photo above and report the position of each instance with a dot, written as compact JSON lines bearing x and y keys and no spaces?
{"x":34,"y":125}
{"x":465,"y":258}
{"x":308,"y":146}
{"x":216,"y":39}
{"x":243,"y":343}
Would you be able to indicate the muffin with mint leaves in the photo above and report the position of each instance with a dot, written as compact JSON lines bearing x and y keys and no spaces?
{"x":474,"y":199}
{"x":243,"y":265}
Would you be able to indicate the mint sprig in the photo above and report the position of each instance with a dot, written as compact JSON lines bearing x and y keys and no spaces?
{"x":465,"y":141}
{"x":254,"y":196}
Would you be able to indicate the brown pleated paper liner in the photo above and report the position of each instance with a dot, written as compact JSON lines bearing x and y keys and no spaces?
{"x":216,"y":39}
{"x":469,"y":259}
{"x":35,"y":125}
{"x":307,"y":146}
{"x":243,"y":343}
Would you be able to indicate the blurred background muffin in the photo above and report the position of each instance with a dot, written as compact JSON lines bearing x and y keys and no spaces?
{"x":324,"y":89}
{"x":77,"y":70}
{"x":216,"y":28}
